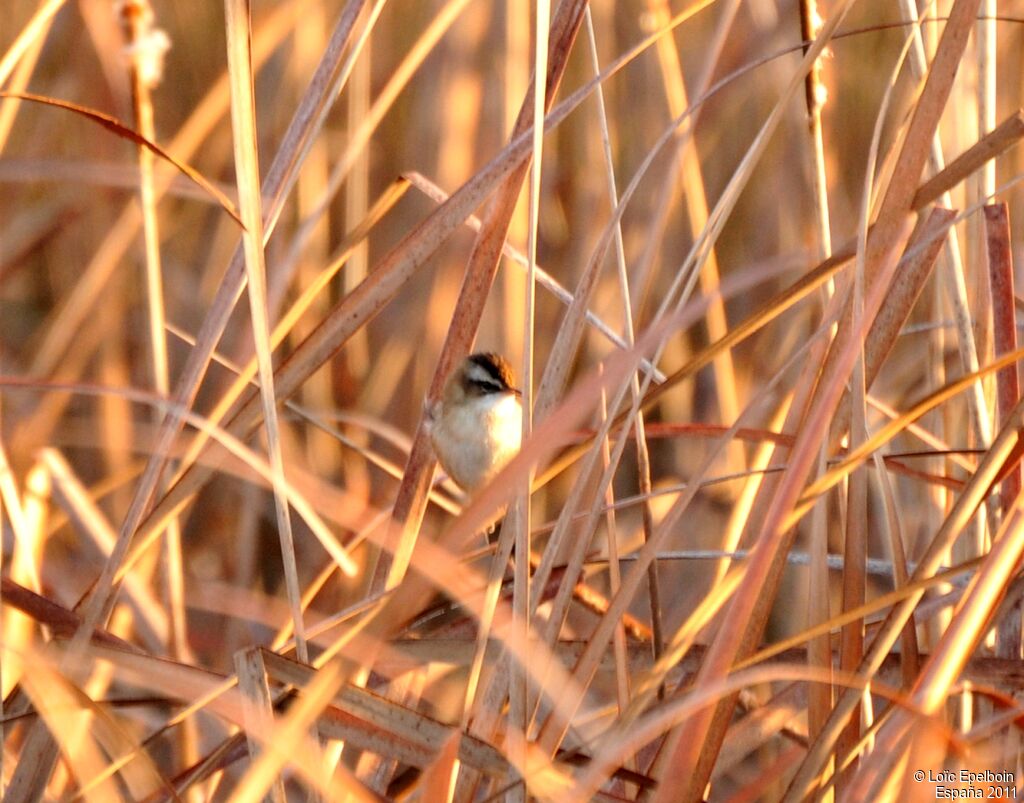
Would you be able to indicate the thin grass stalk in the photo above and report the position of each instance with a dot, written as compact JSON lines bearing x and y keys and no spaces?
{"x":985,"y":180}
{"x":909,"y":652}
{"x":147,"y":43}
{"x":642,"y":454}
{"x":643,"y":463}
{"x":819,"y":652}
{"x":243,"y":117}
{"x":614,"y":579}
{"x":356,"y":188}
{"x":815,"y":95}
{"x":515,"y":49}
{"x":855,"y":543}
{"x":1000,"y":268}
{"x":520,"y":694}
{"x":979,"y":295}
{"x":137,"y":18}
{"x":120,"y":432}
{"x":855,"y":549}
{"x":357,"y":203}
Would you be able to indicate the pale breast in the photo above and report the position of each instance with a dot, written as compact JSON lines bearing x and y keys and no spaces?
{"x":473,"y":443}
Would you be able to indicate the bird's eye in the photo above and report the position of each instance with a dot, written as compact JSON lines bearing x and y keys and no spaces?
{"x":485,"y":386}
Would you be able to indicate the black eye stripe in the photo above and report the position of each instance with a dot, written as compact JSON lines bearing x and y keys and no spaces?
{"x":486,"y":386}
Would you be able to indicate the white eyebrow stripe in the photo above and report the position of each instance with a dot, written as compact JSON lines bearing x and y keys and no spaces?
{"x":479,"y":374}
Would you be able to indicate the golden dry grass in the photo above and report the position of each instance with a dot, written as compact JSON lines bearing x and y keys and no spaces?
{"x":756,"y":271}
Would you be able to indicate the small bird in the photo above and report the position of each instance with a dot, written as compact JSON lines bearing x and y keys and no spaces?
{"x":476,"y":427}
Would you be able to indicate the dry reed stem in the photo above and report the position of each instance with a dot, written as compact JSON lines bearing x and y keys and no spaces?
{"x":885,"y":433}
{"x":963,"y":510}
{"x":280,"y":177}
{"x":747,"y":614}
{"x":68,"y":230}
{"x":896,"y":309}
{"x":257,"y":708}
{"x":1000,"y":268}
{"x":910,"y":660}
{"x":479,"y":276}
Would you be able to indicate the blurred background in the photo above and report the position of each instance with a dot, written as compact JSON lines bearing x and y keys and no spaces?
{"x":75,"y":308}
